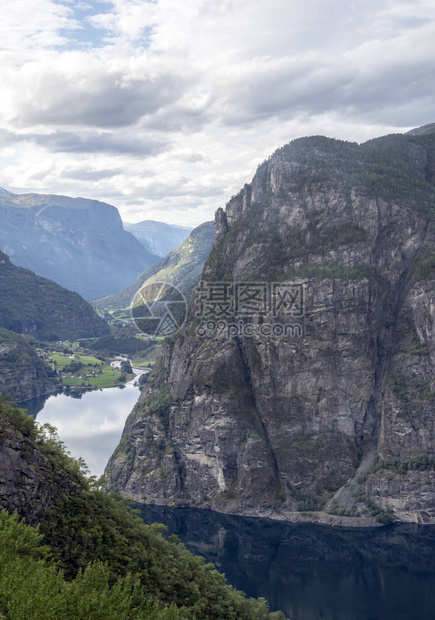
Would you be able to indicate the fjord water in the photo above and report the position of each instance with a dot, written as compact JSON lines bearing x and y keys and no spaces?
{"x":315,"y":572}
{"x":90,"y":424}
{"x":310,"y":572}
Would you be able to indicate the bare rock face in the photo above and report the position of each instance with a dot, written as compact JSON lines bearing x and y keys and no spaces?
{"x":29,"y":482}
{"x":326,"y":403}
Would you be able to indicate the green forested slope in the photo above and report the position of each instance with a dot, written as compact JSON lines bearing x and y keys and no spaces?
{"x":109,"y":563}
{"x":181,"y":268}
{"x":23,"y":375}
{"x":33,"y":305}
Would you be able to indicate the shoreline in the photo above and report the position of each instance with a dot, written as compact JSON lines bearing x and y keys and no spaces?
{"x":315,"y":518}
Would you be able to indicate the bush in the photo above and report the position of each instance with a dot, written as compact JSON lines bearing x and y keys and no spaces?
{"x":32,"y":587}
{"x":17,"y":418}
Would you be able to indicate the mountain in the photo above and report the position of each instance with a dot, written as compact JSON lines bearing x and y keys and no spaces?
{"x":181,"y":268}
{"x":33,"y":305}
{"x":304,"y":377}
{"x":23,"y":375}
{"x":157,"y":237}
{"x":79,"y":243}
{"x":102,"y":561}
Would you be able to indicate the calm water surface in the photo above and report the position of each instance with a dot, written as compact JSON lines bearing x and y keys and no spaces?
{"x":314,"y":572}
{"x":91,"y":424}
{"x":309,"y":572}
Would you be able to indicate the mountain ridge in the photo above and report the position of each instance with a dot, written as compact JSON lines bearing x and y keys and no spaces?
{"x":180,"y":268}
{"x":77,"y":242}
{"x":30,"y":304}
{"x":158,"y":237}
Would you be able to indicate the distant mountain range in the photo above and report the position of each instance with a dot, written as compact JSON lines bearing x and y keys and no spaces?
{"x":182,"y":268}
{"x":39,"y":307}
{"x":157,"y":237}
{"x":79,"y":243}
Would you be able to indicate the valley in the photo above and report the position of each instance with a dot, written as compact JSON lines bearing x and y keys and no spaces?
{"x":181,"y":268}
{"x":328,"y":424}
{"x":217,"y":310}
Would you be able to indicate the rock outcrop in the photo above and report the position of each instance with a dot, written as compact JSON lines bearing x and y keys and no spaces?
{"x":317,"y":391}
{"x":30,"y":482}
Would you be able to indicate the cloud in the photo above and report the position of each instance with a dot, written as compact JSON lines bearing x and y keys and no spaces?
{"x":128,"y":21}
{"x":90,"y":141}
{"x":166,"y":108}
{"x":353,"y":84}
{"x":101,"y":142}
{"x":84,"y":174}
{"x":26,"y":26}
{"x":82,"y":88}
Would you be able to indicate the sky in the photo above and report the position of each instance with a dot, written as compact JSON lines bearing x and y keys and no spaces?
{"x":165,"y":108}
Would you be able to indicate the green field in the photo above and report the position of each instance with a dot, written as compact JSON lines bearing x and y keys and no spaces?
{"x":142,"y":361}
{"x":109,"y":376}
{"x":61,"y":361}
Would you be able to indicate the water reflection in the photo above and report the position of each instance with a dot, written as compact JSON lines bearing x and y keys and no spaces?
{"x":34,"y":406}
{"x":90,"y":424}
{"x":312,"y":572}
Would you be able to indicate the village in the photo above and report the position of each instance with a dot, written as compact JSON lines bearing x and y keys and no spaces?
{"x":80,"y":369}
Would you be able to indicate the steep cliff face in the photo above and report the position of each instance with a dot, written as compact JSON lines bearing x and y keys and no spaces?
{"x":326,"y":400}
{"x":30,"y":483}
{"x":22,"y":374}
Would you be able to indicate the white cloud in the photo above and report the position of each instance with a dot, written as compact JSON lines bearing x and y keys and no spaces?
{"x":25,"y":26}
{"x":174,"y":104}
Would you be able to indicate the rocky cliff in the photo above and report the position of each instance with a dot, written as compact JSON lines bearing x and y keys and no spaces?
{"x":31,"y":482}
{"x":304,"y":381}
